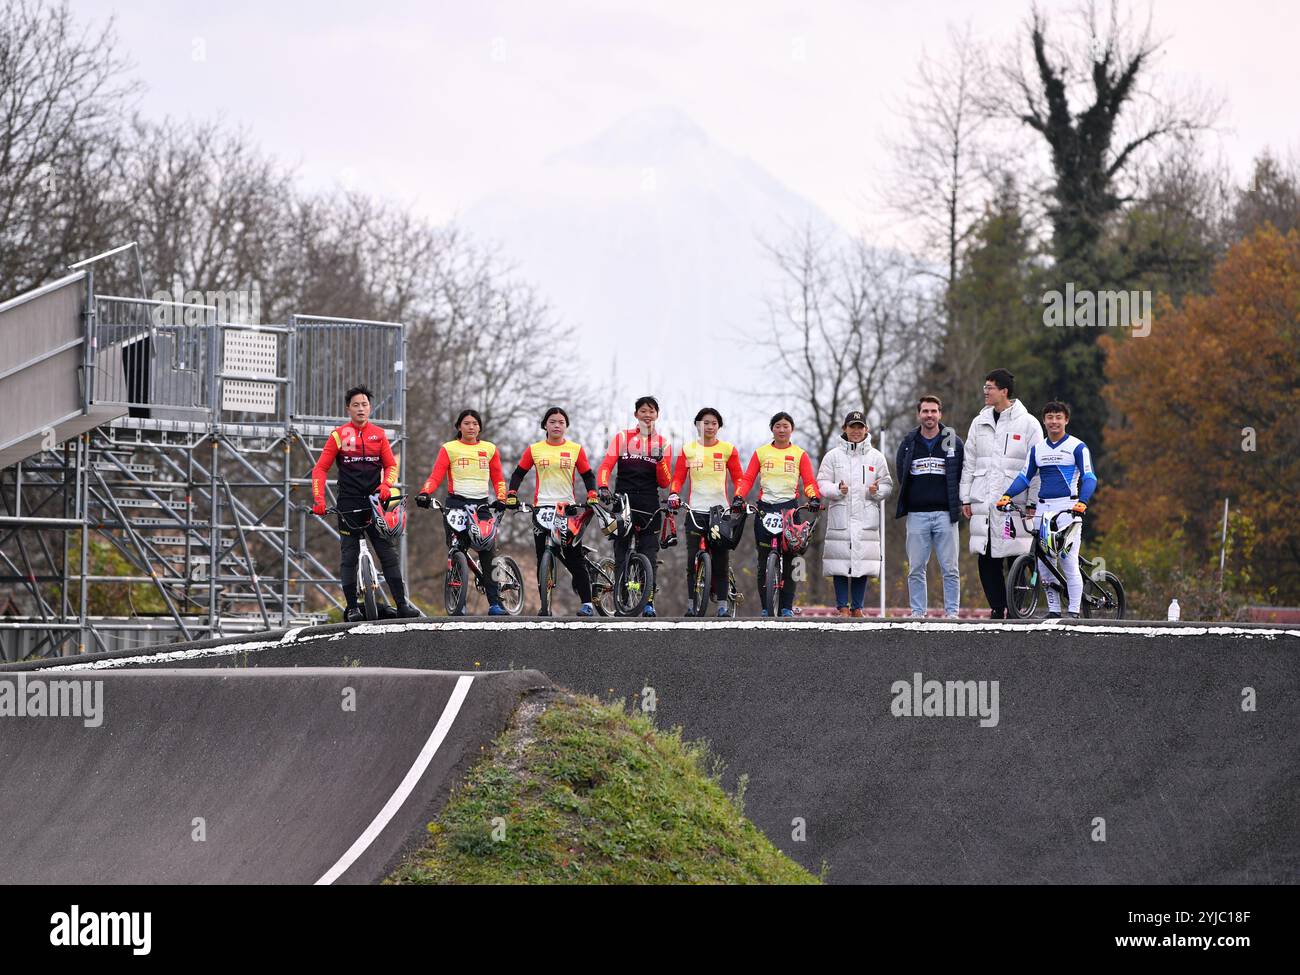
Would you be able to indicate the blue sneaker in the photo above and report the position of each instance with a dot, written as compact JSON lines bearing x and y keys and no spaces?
{"x":765,"y":613}
{"x":497,"y":610}
{"x":787,"y":612}
{"x":586,"y":609}
{"x":723,"y":612}
{"x":649,"y":610}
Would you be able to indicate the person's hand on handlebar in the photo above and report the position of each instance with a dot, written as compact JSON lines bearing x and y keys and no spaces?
{"x":594,"y":496}
{"x":423,"y":499}
{"x":318,"y":509}
{"x":738,"y":503}
{"x":1004,"y":503}
{"x":814,"y":504}
{"x":385,"y":491}
{"x":500,"y":505}
{"x":1080,"y":507}
{"x":512,"y":500}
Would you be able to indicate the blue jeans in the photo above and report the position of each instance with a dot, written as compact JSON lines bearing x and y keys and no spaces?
{"x":928,"y":530}
{"x":842,"y":587}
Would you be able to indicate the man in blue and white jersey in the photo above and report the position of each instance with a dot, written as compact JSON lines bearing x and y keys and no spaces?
{"x":1066,"y":482}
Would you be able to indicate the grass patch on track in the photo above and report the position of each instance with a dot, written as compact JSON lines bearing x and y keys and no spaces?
{"x":577,"y":791}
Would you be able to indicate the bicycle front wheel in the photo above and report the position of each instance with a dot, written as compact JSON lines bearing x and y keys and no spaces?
{"x":455,"y":584}
{"x":1022,"y":587}
{"x":772,"y":587}
{"x":700,"y":582}
{"x":510,"y":584}
{"x":369,"y":589}
{"x":633,"y":589}
{"x":602,"y":586}
{"x":546,"y":581}
{"x":1103,"y":597}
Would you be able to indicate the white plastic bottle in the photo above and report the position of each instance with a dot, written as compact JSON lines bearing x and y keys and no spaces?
{"x":1174,"y":611}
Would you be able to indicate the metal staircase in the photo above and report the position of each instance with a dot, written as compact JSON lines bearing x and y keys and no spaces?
{"x":161,"y":491}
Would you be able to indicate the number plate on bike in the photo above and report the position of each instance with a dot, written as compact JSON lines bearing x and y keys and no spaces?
{"x":457,"y":519}
{"x":772,"y":522}
{"x":545,"y":517}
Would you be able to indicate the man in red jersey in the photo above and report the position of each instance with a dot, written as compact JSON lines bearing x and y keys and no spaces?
{"x":366,"y":466}
{"x":642,"y":461}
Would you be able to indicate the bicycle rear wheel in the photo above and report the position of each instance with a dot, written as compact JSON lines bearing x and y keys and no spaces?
{"x":700,"y":583}
{"x":546,"y":581}
{"x":369,"y":588}
{"x":633,"y":589}
{"x":1103,"y":597}
{"x":1023,"y":586}
{"x":455,"y":583}
{"x":510,"y":584}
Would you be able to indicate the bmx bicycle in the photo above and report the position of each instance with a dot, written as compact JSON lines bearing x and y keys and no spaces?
{"x":720,"y":530}
{"x":564,"y":524}
{"x":792,"y":539}
{"x":474,"y":530}
{"x":370,"y":597}
{"x":1103,"y":592}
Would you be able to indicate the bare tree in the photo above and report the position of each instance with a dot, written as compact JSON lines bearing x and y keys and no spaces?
{"x":851,"y":328}
{"x":62,"y":92}
{"x":941,"y":175}
{"x":808,"y":342}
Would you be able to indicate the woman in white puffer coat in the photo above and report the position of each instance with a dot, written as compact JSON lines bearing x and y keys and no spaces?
{"x":853,"y":479}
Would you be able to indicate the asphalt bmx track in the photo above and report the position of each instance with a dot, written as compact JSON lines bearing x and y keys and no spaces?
{"x":1123,"y":753}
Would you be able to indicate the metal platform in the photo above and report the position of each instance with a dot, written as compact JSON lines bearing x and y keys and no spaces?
{"x":161,"y":487}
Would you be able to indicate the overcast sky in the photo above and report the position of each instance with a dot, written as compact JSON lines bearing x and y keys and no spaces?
{"x":437,"y":105}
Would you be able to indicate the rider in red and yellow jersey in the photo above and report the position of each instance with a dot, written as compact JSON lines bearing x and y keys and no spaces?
{"x":472,"y":468}
{"x":555,"y":460}
{"x":778,"y":467}
{"x":708,"y":462}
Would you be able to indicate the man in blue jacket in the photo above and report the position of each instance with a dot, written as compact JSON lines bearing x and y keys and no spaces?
{"x":929,"y":477}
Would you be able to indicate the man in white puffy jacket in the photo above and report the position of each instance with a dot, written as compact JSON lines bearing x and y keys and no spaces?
{"x":996,"y":448}
{"x":853,"y":479}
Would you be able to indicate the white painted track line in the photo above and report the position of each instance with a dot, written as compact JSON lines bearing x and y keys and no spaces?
{"x":413,"y":776}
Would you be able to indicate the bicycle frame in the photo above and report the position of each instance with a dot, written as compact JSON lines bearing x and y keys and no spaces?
{"x":1042,"y":557}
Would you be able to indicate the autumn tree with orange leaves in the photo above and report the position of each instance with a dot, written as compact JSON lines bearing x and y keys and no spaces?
{"x":1207,"y":406}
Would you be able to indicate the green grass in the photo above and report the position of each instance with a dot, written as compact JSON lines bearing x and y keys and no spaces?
{"x":584,"y":793}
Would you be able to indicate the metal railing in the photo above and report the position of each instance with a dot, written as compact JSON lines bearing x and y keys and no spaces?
{"x":152,"y":354}
{"x":326,"y":357}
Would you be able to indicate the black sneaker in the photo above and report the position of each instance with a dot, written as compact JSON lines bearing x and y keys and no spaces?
{"x":1074,"y":616}
{"x":408,"y":612}
{"x":353,"y":615}
{"x":1052,"y":616}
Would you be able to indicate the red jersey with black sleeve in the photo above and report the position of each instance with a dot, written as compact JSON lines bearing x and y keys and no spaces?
{"x":365,"y":459}
{"x":644,"y":463}
{"x":555,"y":465}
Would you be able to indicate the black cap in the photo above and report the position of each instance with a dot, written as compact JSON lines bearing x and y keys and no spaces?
{"x":855,"y":416}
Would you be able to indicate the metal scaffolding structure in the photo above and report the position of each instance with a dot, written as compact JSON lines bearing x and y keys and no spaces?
{"x":174,"y":502}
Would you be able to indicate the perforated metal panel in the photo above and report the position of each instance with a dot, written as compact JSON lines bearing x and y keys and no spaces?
{"x":249,"y":352}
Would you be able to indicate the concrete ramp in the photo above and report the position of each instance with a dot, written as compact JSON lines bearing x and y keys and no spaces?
{"x":302,"y":775}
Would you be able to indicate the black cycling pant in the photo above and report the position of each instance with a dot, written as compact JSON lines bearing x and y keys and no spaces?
{"x":573,"y":560}
{"x":697,"y":524}
{"x":484,"y":557}
{"x":350,"y":550}
{"x":645,"y":528}
{"x":993,"y":576}
{"x":763,"y":539}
